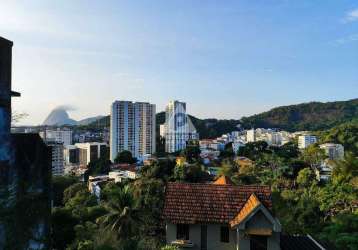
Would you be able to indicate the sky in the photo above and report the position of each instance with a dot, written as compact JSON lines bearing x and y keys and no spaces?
{"x":225,"y":59}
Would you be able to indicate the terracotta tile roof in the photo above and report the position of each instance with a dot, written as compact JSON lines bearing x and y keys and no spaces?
{"x":223,"y":180}
{"x":191,"y":203}
{"x":252,"y":203}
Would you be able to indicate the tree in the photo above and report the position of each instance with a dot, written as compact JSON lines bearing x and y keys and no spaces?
{"x":125,"y":157}
{"x":122,"y":216}
{"x":346,"y":169}
{"x":191,"y":153}
{"x":313,"y":155}
{"x":305,"y":177}
{"x":59,"y":184}
{"x":99,"y":166}
{"x":342,"y":231}
{"x":63,"y":223}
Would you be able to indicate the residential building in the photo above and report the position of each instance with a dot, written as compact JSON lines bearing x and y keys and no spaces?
{"x":90,"y":151}
{"x":57,"y":162}
{"x":250,"y":135}
{"x":333,"y":151}
{"x":179,"y":130}
{"x":71,"y":154}
{"x":63,"y":135}
{"x":132,"y":128}
{"x":240,"y":219}
{"x":324,"y":171}
{"x":223,"y":216}
{"x":305,"y":140}
{"x":162,"y":130}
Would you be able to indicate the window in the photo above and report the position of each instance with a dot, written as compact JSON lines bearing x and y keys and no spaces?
{"x":182,"y":232}
{"x":224,"y":234}
{"x":258,"y":242}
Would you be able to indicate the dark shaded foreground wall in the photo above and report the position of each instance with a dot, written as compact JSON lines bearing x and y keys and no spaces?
{"x":26,"y":217}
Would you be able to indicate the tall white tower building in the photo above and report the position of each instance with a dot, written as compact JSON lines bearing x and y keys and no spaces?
{"x":178,"y":127}
{"x":132,"y":128}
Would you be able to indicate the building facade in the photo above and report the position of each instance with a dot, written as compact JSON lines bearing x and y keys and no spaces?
{"x":132,"y":128}
{"x":333,"y":151}
{"x":90,"y":151}
{"x":178,"y":127}
{"x":63,"y":135}
{"x":57,"y":160}
{"x":251,"y":135}
{"x":305,"y":140}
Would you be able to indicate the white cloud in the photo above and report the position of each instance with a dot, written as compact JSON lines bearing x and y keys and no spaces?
{"x":351,"y":16}
{"x":348,"y":39}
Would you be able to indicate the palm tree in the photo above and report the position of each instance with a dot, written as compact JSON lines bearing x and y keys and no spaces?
{"x":122,"y":216}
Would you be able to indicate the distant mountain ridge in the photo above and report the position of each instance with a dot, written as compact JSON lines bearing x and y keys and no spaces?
{"x":305,"y":116}
{"x":59,"y":117}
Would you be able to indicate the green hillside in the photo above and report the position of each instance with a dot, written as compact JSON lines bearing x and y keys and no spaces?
{"x":306,"y":116}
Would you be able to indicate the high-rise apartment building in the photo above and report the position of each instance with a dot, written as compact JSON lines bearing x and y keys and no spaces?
{"x":251,"y":135}
{"x":305,"y":140}
{"x":178,"y":127}
{"x":132,"y":128}
{"x":57,"y":160}
{"x":63,"y":135}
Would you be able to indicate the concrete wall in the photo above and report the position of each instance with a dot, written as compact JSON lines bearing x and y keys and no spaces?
{"x":213,"y":237}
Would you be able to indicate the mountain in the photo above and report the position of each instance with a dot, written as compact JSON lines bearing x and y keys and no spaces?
{"x":90,"y":120}
{"x":59,"y":117}
{"x":305,"y":116}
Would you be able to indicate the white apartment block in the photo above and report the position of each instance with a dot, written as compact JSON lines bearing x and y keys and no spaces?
{"x":178,"y":127}
{"x":57,"y":161}
{"x":305,"y":140}
{"x":132,"y":128}
{"x":90,"y":151}
{"x":333,"y":151}
{"x":63,"y":135}
{"x":250,"y":135}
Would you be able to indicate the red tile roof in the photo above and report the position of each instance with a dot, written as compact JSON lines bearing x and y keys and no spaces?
{"x":190,"y":203}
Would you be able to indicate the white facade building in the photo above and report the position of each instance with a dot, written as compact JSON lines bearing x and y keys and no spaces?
{"x":57,"y":161}
{"x":63,"y":135}
{"x":250,"y":135}
{"x":305,"y":140}
{"x":132,"y":128}
{"x":178,"y":127}
{"x":90,"y":151}
{"x":333,"y":151}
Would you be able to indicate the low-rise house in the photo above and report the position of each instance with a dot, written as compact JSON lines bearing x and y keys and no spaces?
{"x":220,"y":216}
{"x":96,"y":183}
{"x":324,"y":171}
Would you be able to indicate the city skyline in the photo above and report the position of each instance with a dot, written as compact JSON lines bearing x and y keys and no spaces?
{"x":224,"y":60}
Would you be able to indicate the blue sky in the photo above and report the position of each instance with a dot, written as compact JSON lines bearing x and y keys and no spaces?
{"x":226,"y":58}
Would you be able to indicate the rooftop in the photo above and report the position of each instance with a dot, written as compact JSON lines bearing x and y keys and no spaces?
{"x":190,"y":203}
